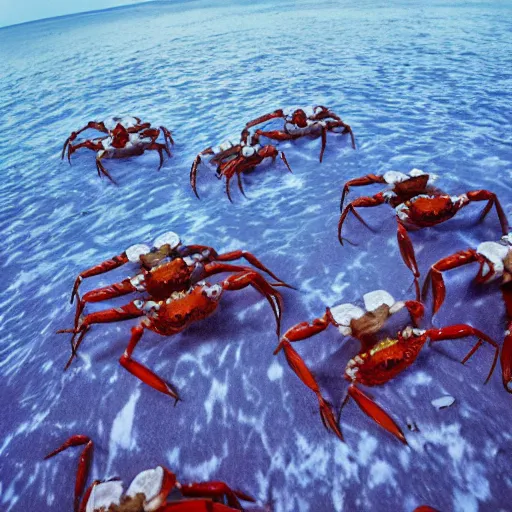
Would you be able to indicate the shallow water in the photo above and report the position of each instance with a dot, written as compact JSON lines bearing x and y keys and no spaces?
{"x":421,"y":86}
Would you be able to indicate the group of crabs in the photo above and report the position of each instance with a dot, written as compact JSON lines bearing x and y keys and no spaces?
{"x":171,"y":277}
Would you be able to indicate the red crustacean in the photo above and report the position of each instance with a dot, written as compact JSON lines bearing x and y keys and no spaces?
{"x":234,"y":159}
{"x":495,"y":260}
{"x":172,"y":314}
{"x":379,"y":360}
{"x":149,"y":491}
{"x":417,"y":205}
{"x":166,"y":268}
{"x":312,"y":121}
{"x":125,"y":137}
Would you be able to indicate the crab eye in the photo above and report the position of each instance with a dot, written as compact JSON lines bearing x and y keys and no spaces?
{"x":248,"y":151}
{"x":134,"y":252}
{"x":170,"y":238}
{"x":138,"y":303}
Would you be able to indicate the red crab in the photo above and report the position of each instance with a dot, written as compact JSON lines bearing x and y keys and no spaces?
{"x":167,"y":268}
{"x":379,"y":360}
{"x":234,"y":159}
{"x":172,"y":314}
{"x":125,"y":136}
{"x":149,"y":490}
{"x":495,"y":260}
{"x":417,"y":205}
{"x":303,"y":122}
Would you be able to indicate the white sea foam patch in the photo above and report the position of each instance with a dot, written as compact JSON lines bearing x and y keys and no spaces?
{"x":381,"y":473}
{"x":218,"y":393}
{"x":205,"y":470}
{"x":275,"y":371}
{"x":121,"y":435}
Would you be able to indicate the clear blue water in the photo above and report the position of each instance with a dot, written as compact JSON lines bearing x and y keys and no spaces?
{"x":422,"y":86}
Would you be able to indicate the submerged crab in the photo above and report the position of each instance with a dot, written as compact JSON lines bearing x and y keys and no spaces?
{"x":150,"y":490}
{"x":379,"y":360}
{"x":167,"y":268}
{"x":125,"y":136}
{"x":170,"y":314}
{"x":495,"y":260}
{"x":234,"y":159}
{"x":315,"y":121}
{"x":417,"y":205}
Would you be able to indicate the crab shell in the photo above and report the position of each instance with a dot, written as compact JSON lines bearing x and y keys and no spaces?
{"x":343,"y":314}
{"x":149,"y":483}
{"x":392,"y":177}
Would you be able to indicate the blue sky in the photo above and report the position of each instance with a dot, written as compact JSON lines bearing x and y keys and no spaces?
{"x":19,"y":11}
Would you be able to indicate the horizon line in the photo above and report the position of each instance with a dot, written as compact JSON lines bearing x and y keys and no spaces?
{"x":81,"y":13}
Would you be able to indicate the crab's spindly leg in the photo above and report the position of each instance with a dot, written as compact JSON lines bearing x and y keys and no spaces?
{"x":215,"y":490}
{"x":298,"y":365}
{"x":376,"y":413}
{"x":83,"y":463}
{"x":248,"y":256}
{"x":91,"y":124}
{"x":167,"y":135}
{"x":101,"y":168}
{"x":361,"y":202}
{"x":111,"y":291}
{"x":453,"y":332}
{"x":267,"y":117}
{"x":346,"y":129}
{"x":407,"y":252}
{"x":195,"y":165}
{"x":142,"y":372}
{"x":283,"y":158}
{"x":276,"y":135}
{"x":156,"y":146}
{"x":89,"y":144}
{"x":492,"y":199}
{"x":258,"y":282}
{"x":126,"y":312}
{"x":103,"y":267}
{"x":305,"y":330}
{"x":369,"y":179}
{"x":436,"y":277}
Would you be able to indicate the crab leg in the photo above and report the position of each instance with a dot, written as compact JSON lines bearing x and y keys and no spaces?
{"x":277,"y":135}
{"x":407,"y":252}
{"x":167,"y":135}
{"x":492,"y":199}
{"x":435,"y":274}
{"x":305,"y":330}
{"x":346,"y":129}
{"x":105,"y":293}
{"x":361,"y":202}
{"x":93,"y":146}
{"x":156,"y":146}
{"x":267,"y":117}
{"x":283,"y":158}
{"x":101,"y":268}
{"x":142,"y":372}
{"x":195,"y":165}
{"x":457,"y":331}
{"x":100,"y":167}
{"x":298,"y":365}
{"x":214,"y":490}
{"x":375,"y":412}
{"x":126,"y":312}
{"x":369,"y":179}
{"x":83,"y":463}
{"x":416,"y":310}
{"x":91,"y":124}
{"x":198,"y":505}
{"x":506,"y":350}
{"x":251,"y":278}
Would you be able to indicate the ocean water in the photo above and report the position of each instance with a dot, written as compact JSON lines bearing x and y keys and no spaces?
{"x":425,"y":86}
